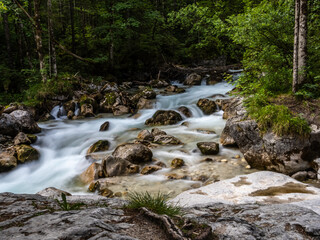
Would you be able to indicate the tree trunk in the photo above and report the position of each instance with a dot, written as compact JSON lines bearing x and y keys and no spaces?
{"x":38,"y":39}
{"x":52,"y":48}
{"x":300,"y":45}
{"x":72,"y":25}
{"x":7,"y":35}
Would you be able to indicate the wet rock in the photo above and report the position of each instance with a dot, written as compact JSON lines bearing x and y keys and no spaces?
{"x":93,"y":172}
{"x":166,"y":140}
{"x":300,"y":176}
{"x":200,"y":178}
{"x":26,"y":153}
{"x":207,"y":106}
{"x":316,"y":166}
{"x":226,"y":139}
{"x":134,"y":153}
{"x":174,"y":89}
{"x":88,"y":100}
{"x":148,"y":93}
{"x":174,"y":176}
{"x":100,"y":146}
{"x":7,"y":161}
{"x":21,"y":138}
{"x":160,"y":164}
{"x":144,"y":103}
{"x":106,"y":193}
{"x":164,"y":117}
{"x":32,"y":138}
{"x":104,"y":126}
{"x":145,"y":135}
{"x":70,"y":114}
{"x":52,"y":192}
{"x":110,"y":87}
{"x":8,"y":125}
{"x":120,"y":110}
{"x":108,"y":102}
{"x":158,"y":83}
{"x":87,"y":110}
{"x":208,"y":148}
{"x":185,"y":111}
{"x":193,"y":79}
{"x":157,"y":131}
{"x":114,"y":166}
{"x":205,"y":131}
{"x":150,"y":169}
{"x":177,"y":163}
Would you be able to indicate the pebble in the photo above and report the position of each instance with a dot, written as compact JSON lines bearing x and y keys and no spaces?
{"x":248,"y":167}
{"x":237,"y":156}
{"x":243,"y":159}
{"x":224,"y":160}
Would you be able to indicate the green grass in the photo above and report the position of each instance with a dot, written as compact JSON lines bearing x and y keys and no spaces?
{"x":156,"y":203}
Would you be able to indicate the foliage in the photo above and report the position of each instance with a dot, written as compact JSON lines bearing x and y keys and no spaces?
{"x":157,"y":203}
{"x":65,"y":206}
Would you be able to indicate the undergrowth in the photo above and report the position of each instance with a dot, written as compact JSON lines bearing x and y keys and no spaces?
{"x":157,"y":203}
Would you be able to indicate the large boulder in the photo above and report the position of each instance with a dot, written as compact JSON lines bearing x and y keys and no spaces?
{"x":208,"y":148}
{"x":207,"y":106}
{"x":8,"y":125}
{"x":133,"y":152}
{"x":26,"y":153}
{"x":164,"y":117}
{"x":25,"y":121}
{"x":267,"y":151}
{"x":193,"y":79}
{"x":87,"y":110}
{"x":7,"y":162}
{"x":145,"y":135}
{"x":93,"y":172}
{"x":100,"y":146}
{"x":185,"y":111}
{"x":114,"y":166}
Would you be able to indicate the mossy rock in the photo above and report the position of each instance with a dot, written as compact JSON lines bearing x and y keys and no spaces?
{"x":150,"y":169}
{"x":85,"y":99}
{"x":26,"y":153}
{"x":207,"y":106}
{"x":208,"y":148}
{"x":32,"y":138}
{"x":177,"y":163}
{"x":110,"y":98}
{"x":100,"y":146}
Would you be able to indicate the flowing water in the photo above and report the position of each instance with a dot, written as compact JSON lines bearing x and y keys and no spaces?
{"x":63,"y":144}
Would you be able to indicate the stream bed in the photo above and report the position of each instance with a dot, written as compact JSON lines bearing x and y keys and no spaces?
{"x":63,"y":145}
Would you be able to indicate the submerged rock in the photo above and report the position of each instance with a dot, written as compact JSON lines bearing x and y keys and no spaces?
{"x":133,"y":152}
{"x":26,"y":153}
{"x":100,"y":146}
{"x":164,"y":117}
{"x":208,"y":148}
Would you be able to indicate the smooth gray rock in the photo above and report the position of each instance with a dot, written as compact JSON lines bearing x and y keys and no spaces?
{"x":25,"y":121}
{"x":133,"y":152}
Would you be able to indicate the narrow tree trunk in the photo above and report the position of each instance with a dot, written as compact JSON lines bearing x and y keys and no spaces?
{"x":19,"y":43}
{"x":38,"y":39}
{"x":7,"y":35}
{"x":72,"y":25}
{"x":296,"y":47}
{"x":52,"y":47}
{"x":26,"y":45}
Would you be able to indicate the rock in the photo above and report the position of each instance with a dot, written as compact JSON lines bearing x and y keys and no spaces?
{"x":100,"y":146}
{"x":106,"y":193}
{"x":87,"y":110}
{"x":104,"y":126}
{"x":164,"y":117}
{"x":205,"y":131}
{"x":316,"y":166}
{"x":52,"y":192}
{"x":207,"y":106}
{"x":70,"y":114}
{"x":160,"y":164}
{"x":174,"y":89}
{"x":26,"y":153}
{"x":32,"y":138}
{"x":8,"y":125}
{"x":150,"y":169}
{"x":21,"y":138}
{"x":109,"y":100}
{"x":110,"y":87}
{"x":300,"y":176}
{"x":148,"y":93}
{"x":120,"y":110}
{"x":208,"y":148}
{"x":157,"y":131}
{"x":25,"y":121}
{"x":158,"y":83}
{"x":174,"y":176}
{"x":225,"y":139}
{"x":145,"y":135}
{"x":114,"y":166}
{"x":166,"y":140}
{"x":88,"y":100}
{"x":185,"y":111}
{"x":193,"y":79}
{"x":144,"y":104}
{"x":134,"y":153}
{"x":177,"y":163}
{"x":93,"y":172}
{"x":7,"y":162}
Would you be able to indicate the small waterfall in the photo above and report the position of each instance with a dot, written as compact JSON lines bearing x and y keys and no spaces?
{"x":58,"y":112}
{"x":77,"y":109}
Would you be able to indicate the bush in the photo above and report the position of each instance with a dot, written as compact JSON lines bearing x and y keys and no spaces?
{"x":157,"y":203}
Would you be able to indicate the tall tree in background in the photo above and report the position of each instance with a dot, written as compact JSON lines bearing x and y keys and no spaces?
{"x":300,"y":45}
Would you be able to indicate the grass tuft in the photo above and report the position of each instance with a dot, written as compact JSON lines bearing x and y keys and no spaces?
{"x":157,"y":203}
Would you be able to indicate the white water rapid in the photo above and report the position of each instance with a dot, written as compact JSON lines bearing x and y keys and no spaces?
{"x":63,"y":145}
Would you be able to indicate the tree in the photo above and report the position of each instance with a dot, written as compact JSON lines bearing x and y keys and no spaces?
{"x":300,"y":45}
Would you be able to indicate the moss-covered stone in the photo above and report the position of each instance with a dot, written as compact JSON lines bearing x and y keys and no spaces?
{"x":208,"y":148}
{"x":26,"y":153}
{"x":33,"y":138}
{"x":177,"y":163}
{"x":100,"y":146}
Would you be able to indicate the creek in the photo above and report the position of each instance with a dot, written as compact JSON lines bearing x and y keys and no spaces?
{"x":63,"y":145}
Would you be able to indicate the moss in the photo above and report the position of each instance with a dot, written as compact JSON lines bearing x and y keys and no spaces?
{"x":110,"y":98}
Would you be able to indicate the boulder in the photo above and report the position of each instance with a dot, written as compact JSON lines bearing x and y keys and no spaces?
{"x":120,"y":110}
{"x":166,"y":140}
{"x":85,"y":99}
{"x":193,"y":79}
{"x":87,"y":110}
{"x":109,"y":100}
{"x":52,"y":192}
{"x":177,"y":163}
{"x":157,"y":131}
{"x":145,"y":135}
{"x":174,"y":89}
{"x":134,"y":153}
{"x":70,"y":114}
{"x":144,"y":104}
{"x":26,"y":153}
{"x":32,"y":138}
{"x":185,"y":111}
{"x":114,"y":166}
{"x":100,"y":146}
{"x":7,"y":162}
{"x":93,"y":172}
{"x":208,"y":148}
{"x":158,"y":83}
{"x":164,"y":117}
{"x":148,"y":93}
{"x":207,"y":106}
{"x":21,"y":138}
{"x":150,"y":169}
{"x":25,"y":121}
{"x":104,"y":126}
{"x":8,"y":125}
